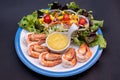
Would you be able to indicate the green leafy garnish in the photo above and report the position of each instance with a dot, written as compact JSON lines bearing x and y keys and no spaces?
{"x":99,"y":40}
{"x":72,"y":5}
{"x":77,"y":41}
{"x":28,"y":22}
{"x":96,"y":25}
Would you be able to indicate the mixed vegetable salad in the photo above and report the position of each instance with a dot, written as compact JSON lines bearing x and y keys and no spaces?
{"x":60,"y":18}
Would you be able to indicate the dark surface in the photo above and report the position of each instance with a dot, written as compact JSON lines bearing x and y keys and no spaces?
{"x":108,"y":66}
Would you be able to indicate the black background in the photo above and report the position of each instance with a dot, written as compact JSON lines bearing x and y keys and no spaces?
{"x":108,"y":66}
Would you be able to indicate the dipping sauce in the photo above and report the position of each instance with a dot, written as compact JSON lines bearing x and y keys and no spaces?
{"x":57,"y":41}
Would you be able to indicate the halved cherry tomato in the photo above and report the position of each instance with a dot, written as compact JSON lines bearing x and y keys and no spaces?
{"x":66,"y":17}
{"x":82,"y":21}
{"x":47,"y":18}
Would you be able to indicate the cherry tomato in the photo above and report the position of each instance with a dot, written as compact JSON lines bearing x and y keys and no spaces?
{"x":47,"y":18}
{"x":82,"y":21}
{"x":66,"y":17}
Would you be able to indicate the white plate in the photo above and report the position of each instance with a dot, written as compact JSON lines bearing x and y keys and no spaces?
{"x":59,"y":70}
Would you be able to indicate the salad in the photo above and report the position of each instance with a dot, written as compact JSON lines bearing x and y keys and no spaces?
{"x":58,"y":18}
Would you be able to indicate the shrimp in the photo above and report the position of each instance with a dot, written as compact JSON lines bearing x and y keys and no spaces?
{"x":83,"y":53}
{"x":34,"y":50}
{"x":53,"y":56}
{"x":69,"y":58}
{"x":40,"y":38}
{"x":50,"y":59}
{"x":69,"y":54}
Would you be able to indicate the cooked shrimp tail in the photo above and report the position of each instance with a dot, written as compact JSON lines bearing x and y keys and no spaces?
{"x":31,"y":37}
{"x":34,"y":49}
{"x":83,"y":53}
{"x":50,"y":59}
{"x":69,"y":58}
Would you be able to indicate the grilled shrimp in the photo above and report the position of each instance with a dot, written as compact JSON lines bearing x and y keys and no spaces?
{"x":83,"y":53}
{"x":69,"y":58}
{"x":34,"y":49}
{"x":40,"y":38}
{"x":50,"y":59}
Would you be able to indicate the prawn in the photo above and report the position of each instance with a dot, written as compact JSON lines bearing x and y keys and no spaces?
{"x":83,"y":53}
{"x":50,"y":59}
{"x":34,"y":49}
{"x":31,"y":37}
{"x":69,"y":58}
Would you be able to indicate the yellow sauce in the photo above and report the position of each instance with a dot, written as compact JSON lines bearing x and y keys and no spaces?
{"x":57,"y":41}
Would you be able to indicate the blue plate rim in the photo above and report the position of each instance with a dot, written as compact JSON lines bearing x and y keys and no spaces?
{"x":51,"y":73}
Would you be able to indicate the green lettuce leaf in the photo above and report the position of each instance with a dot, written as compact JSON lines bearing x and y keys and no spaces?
{"x":99,"y":40}
{"x":72,"y":5}
{"x":98,"y":23}
{"x":77,"y":41}
{"x":28,"y":22}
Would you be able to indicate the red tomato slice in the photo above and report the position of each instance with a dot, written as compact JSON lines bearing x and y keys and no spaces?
{"x":47,"y":18}
{"x":66,"y":17}
{"x":82,"y":21}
